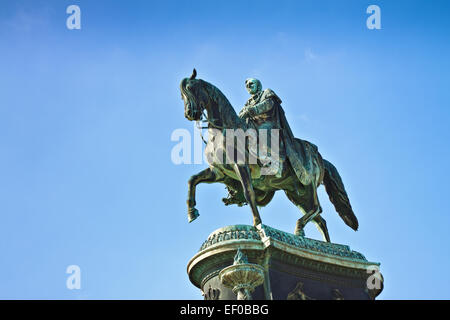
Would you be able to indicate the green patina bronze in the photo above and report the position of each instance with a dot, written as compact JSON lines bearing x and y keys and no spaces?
{"x":289,"y":261}
{"x":249,"y":233}
{"x":301,"y":167}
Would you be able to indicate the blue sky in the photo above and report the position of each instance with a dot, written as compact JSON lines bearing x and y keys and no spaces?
{"x":86,"y":117}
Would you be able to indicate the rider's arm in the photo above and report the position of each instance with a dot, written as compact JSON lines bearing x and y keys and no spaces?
{"x":270,"y":99}
{"x":261,"y":107}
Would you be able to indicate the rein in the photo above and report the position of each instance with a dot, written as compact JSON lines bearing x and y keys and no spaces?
{"x":199,"y":126}
{"x":210,"y":122}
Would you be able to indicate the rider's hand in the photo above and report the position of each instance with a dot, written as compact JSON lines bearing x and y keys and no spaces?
{"x":244,"y":113}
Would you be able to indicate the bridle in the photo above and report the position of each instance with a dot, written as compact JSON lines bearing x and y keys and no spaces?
{"x":204,"y":115}
{"x":207,"y":120}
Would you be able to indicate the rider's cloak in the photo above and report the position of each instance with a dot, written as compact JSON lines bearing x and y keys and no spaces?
{"x":300,"y":153}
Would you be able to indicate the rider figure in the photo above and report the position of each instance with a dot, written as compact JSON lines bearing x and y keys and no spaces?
{"x":260,"y":113}
{"x":263,"y":111}
{"x":260,"y":109}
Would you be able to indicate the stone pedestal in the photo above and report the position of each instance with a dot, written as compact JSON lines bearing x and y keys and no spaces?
{"x":244,"y":262}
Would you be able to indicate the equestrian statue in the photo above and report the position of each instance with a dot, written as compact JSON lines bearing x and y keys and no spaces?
{"x":299,"y":168}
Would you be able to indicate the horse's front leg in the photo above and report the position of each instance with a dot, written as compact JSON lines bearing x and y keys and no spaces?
{"x":243,"y":172}
{"x":206,"y":175}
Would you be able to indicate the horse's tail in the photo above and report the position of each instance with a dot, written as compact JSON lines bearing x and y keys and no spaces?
{"x":336,"y":192}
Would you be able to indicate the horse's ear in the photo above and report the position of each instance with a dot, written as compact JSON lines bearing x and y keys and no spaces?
{"x":194,"y":74}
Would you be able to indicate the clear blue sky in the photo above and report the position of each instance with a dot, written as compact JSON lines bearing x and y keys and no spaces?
{"x":86,"y":117}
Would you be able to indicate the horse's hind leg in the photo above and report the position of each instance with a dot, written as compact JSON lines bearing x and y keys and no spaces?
{"x":207,"y":176}
{"x":308,"y":204}
{"x":296,"y":200}
{"x":312,"y":208}
{"x":303,"y":221}
{"x":322,"y":226}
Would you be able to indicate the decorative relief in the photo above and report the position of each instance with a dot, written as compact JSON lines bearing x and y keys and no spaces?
{"x":298,"y":293}
{"x":212,"y":294}
{"x":250,"y":233}
{"x":337,"y":295}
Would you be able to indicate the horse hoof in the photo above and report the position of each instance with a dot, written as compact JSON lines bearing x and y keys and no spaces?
{"x":299,"y":228}
{"x":257,"y":222}
{"x":192,"y":214}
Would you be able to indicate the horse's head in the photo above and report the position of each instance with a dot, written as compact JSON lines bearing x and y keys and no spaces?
{"x":195,"y":97}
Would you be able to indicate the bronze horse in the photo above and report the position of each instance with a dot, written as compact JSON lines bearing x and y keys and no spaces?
{"x":199,"y":97}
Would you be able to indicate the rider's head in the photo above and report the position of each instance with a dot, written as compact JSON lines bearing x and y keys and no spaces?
{"x":253,"y":85}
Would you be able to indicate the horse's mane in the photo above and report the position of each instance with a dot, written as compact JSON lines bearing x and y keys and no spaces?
{"x":217,"y":95}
